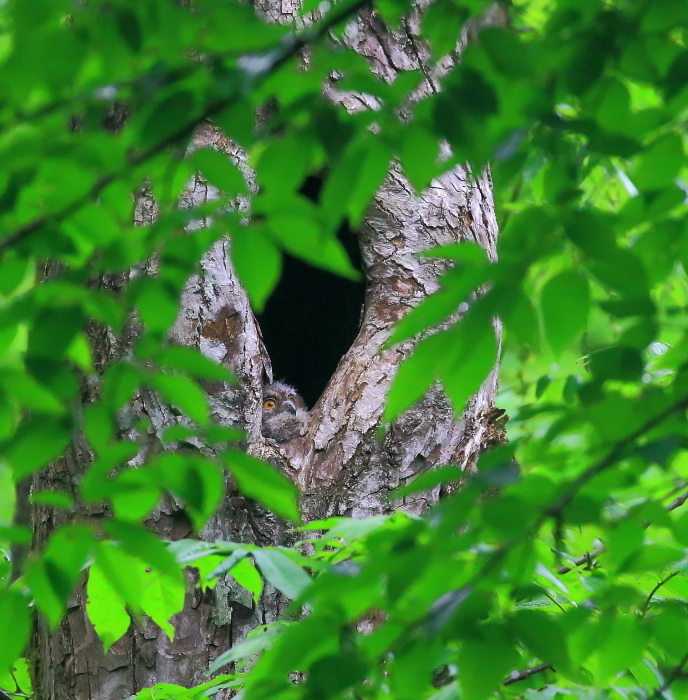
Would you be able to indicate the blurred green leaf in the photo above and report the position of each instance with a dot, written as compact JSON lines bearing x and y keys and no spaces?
{"x":487,"y":658}
{"x":37,"y":441}
{"x":15,"y":627}
{"x":183,"y":393}
{"x":564,"y":302}
{"x":245,"y":574}
{"x":264,"y":483}
{"x":285,"y":575}
{"x":195,"y":479}
{"x":249,"y":247}
{"x":355,"y":179}
{"x":218,"y":169}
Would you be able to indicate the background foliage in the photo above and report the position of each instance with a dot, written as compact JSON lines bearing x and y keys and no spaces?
{"x":580,"y":109}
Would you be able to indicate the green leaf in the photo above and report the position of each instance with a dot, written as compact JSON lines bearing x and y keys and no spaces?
{"x":171,"y":118}
{"x":442,"y":475}
{"x":419,"y":155}
{"x":15,"y":626}
{"x":354,"y":179}
{"x":473,"y":356}
{"x":284,"y":574}
{"x":183,"y":393}
{"x":163,"y":597}
{"x":223,"y":567}
{"x":219,"y":169}
{"x":105,"y":607}
{"x":37,"y":441}
{"x":125,"y":574}
{"x":331,"y":675}
{"x":624,"y":540}
{"x":519,"y":316}
{"x":263,"y":483}
{"x":484,"y":662}
{"x":157,"y":303}
{"x":442,"y":26}
{"x":661,"y":162}
{"x":195,"y":479}
{"x":53,"y":331}
{"x":66,"y":555}
{"x":565,"y":300}
{"x":670,"y":628}
{"x":249,"y":247}
{"x":416,"y":374}
{"x":28,"y":393}
{"x":133,"y":494}
{"x":624,"y":364}
{"x":254,"y":644}
{"x":55,"y":499}
{"x":304,"y":239}
{"x":120,"y":381}
{"x":245,"y":574}
{"x":456,"y":287}
{"x":142,"y":543}
{"x":13,"y":271}
{"x":543,"y":636}
{"x":40,"y":580}
{"x":285,"y":163}
{"x":622,"y":648}
{"x":193,"y":363}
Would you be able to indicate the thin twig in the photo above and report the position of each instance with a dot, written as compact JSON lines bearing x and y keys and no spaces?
{"x":5,"y":695}
{"x":675,"y":673}
{"x":589,"y":556}
{"x":421,"y":63}
{"x":516,"y":676}
{"x":612,"y":457}
{"x":677,"y":502}
{"x":585,"y":559}
{"x":493,"y":560}
{"x":646,"y":604}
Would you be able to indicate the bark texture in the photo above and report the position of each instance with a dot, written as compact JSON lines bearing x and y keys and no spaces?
{"x":341,"y":466}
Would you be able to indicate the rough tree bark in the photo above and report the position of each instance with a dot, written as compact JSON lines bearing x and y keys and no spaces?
{"x":340,"y":466}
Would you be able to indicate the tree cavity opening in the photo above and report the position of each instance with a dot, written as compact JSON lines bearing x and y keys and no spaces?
{"x":313,"y":316}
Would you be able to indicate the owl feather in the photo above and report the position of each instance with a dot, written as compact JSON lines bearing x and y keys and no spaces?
{"x":284,"y":412}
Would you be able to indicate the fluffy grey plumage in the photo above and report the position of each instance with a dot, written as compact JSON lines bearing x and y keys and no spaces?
{"x":284,"y":412}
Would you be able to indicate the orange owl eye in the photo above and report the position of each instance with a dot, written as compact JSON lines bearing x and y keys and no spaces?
{"x":269,"y":403}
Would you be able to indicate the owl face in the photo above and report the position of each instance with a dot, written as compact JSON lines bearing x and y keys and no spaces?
{"x":284,"y":412}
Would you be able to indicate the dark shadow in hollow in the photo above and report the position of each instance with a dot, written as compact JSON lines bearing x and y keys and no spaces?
{"x":312,"y":316}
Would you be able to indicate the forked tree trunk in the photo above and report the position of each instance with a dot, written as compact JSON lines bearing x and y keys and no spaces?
{"x":340,"y":466}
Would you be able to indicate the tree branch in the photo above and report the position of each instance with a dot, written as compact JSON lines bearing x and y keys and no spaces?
{"x":516,"y":676}
{"x":678,"y":502}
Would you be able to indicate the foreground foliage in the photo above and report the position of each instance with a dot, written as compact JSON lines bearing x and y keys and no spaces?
{"x":575,"y":569}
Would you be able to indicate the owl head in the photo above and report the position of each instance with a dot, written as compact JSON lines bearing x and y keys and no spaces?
{"x":284,"y":412}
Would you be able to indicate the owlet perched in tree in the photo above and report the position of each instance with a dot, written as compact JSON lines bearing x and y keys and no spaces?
{"x":284,"y":412}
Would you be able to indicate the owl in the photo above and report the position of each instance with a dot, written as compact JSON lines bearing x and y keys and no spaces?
{"x":284,"y":412}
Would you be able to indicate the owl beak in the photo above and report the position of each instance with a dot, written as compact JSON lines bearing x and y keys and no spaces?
{"x":289,"y":406}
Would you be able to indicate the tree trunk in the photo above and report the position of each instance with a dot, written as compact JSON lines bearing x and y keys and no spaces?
{"x":342,"y":466}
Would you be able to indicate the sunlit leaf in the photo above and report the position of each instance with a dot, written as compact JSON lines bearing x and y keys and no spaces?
{"x":14,"y":627}
{"x":105,"y":608}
